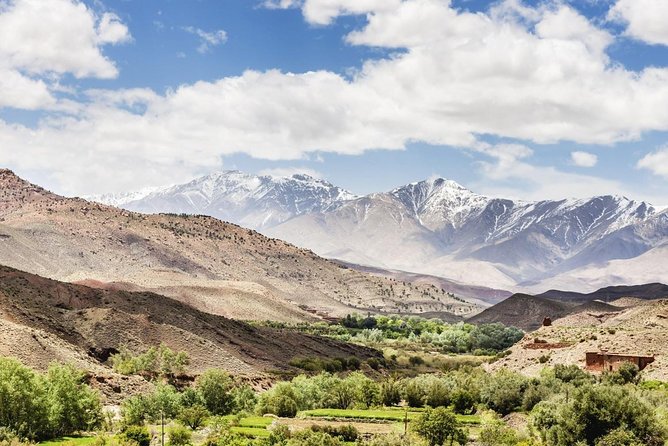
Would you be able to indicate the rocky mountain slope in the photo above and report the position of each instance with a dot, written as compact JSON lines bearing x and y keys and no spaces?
{"x":74,"y":323}
{"x":527,"y":312}
{"x":437,"y":227}
{"x":251,"y":201}
{"x":214,"y":266}
{"x":639,"y":329}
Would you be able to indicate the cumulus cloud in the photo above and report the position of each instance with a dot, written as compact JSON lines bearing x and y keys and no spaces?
{"x":539,"y":74}
{"x":645,"y":19}
{"x":584,"y":159}
{"x":290,"y":171}
{"x":510,"y":174}
{"x":656,"y":162}
{"x":43,"y":39}
{"x":207,"y":39}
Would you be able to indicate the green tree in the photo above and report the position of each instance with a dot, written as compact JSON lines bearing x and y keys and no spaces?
{"x":495,"y":432}
{"x":216,"y":386}
{"x":390,"y":393}
{"x":308,"y":437}
{"x":626,"y":373}
{"x":137,"y":434}
{"x":438,"y":426}
{"x":73,"y":406}
{"x":503,"y":392}
{"x":23,"y":408}
{"x":594,"y":411}
{"x":179,"y":436}
{"x":281,"y":400}
{"x":619,"y":437}
{"x":193,"y":416}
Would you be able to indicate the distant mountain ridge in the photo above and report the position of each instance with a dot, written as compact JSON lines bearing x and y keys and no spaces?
{"x":439,"y":227}
{"x":253,"y":201}
{"x":527,"y":312}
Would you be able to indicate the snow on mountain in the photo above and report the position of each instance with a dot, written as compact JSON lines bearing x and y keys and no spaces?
{"x":253,"y":201}
{"x":439,"y":227}
{"x":122,"y":198}
{"x":435,"y":227}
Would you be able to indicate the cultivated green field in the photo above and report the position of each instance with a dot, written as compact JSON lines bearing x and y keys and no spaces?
{"x":386,"y":414}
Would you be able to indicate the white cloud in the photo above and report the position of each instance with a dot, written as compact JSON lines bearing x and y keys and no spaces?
{"x":207,"y":39}
{"x":290,"y":171}
{"x":656,"y":162}
{"x":511,"y":175}
{"x":43,"y":39}
{"x":57,"y":36}
{"x":110,"y":29}
{"x":535,"y":74}
{"x":646,"y":20}
{"x":584,"y":159}
{"x":281,"y":4}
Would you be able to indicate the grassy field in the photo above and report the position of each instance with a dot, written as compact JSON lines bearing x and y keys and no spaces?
{"x":253,"y":432}
{"x":389,"y":414}
{"x":74,"y":441}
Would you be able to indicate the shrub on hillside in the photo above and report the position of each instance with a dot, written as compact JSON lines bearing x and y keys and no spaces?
{"x":137,"y":434}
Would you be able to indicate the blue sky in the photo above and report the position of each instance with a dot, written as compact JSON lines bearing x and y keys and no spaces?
{"x":520,"y":99}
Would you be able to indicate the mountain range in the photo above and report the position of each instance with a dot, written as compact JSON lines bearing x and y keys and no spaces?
{"x":216,"y":267}
{"x":437,"y":227}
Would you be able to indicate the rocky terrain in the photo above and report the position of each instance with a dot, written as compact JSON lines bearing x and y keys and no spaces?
{"x":528,"y":312}
{"x":251,"y":201}
{"x":42,"y":320}
{"x":214,"y":266}
{"x":640,"y":329}
{"x":439,"y":228}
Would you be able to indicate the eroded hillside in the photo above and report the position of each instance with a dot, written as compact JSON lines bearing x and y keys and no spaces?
{"x":215,"y":266}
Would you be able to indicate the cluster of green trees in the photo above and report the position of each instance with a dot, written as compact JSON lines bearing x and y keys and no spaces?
{"x":156,"y":362}
{"x":413,"y":330}
{"x":565,"y":405}
{"x":39,"y":406}
{"x":214,"y":393}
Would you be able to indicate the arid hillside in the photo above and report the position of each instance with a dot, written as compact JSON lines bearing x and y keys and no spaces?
{"x":214,"y":266}
{"x":42,"y":320}
{"x":631,"y":327}
{"x":523,"y":311}
{"x":528,"y":312}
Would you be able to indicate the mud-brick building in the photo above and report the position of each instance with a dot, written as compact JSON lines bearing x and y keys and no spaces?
{"x":604,"y":361}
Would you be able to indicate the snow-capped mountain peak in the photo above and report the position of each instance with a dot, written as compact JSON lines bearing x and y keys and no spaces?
{"x":250,"y":200}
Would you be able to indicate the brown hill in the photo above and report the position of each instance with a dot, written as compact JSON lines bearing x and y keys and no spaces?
{"x":641,"y":330}
{"x":214,"y":266}
{"x":527,"y":312}
{"x":43,"y":320}
{"x":473,"y":293}
{"x":611,"y":293}
{"x":522,"y":311}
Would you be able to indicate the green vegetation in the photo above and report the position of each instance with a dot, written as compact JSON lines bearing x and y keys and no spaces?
{"x":563,"y":406}
{"x":416,"y":332}
{"x":440,"y":425}
{"x":72,"y":441}
{"x":37,"y":407}
{"x":157,"y":362}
